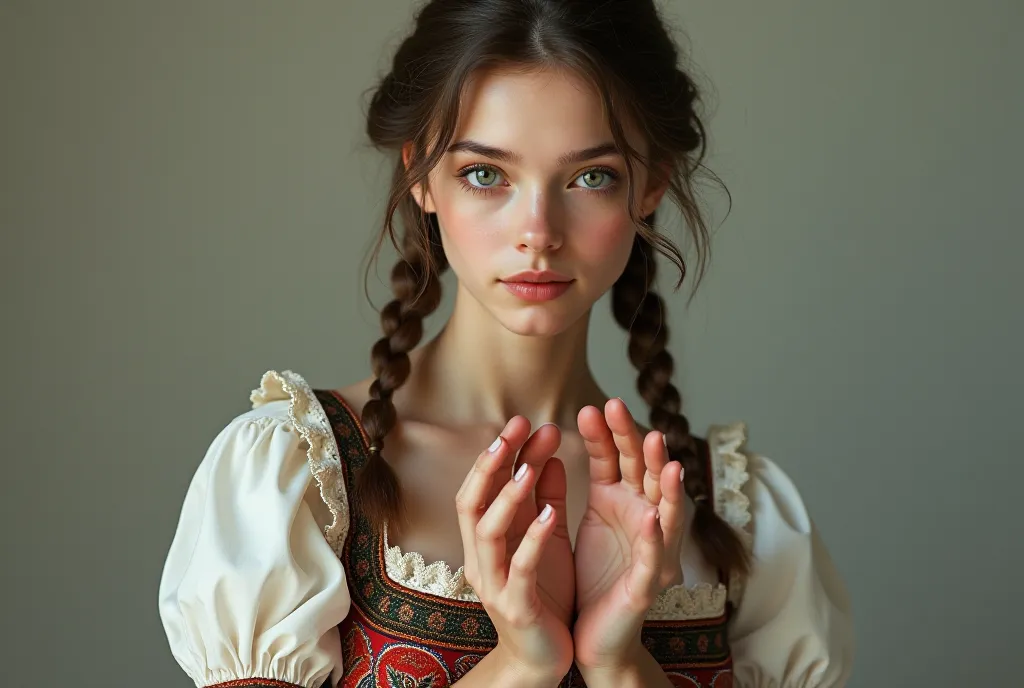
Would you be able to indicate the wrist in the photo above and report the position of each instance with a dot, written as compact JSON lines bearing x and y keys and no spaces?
{"x":627,"y":671}
{"x":514,"y":672}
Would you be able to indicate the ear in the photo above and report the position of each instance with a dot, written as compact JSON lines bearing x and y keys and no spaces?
{"x":657,"y":185}
{"x":419,"y":192}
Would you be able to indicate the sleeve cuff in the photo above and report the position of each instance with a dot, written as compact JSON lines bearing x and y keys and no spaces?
{"x":264,"y":683}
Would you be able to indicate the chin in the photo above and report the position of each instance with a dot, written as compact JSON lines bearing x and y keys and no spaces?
{"x":537,"y":321}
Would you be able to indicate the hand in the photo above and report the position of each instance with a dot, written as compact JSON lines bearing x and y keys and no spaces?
{"x":518,"y":556}
{"x":628,"y":543}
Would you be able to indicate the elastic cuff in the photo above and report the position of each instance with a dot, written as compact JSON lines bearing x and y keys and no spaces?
{"x":256,"y":683}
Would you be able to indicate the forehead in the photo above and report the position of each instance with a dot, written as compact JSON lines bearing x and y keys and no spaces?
{"x":539,"y":113}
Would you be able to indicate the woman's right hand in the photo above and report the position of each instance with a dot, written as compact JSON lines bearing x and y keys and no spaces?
{"x":518,"y":556}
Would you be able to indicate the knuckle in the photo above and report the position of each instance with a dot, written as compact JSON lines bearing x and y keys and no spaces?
{"x":520,"y":615}
{"x":484,"y":532}
{"x":464,"y":506}
{"x":520,"y":566}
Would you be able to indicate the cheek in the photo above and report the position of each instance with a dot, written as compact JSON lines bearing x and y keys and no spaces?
{"x":607,"y":242}
{"x":467,"y":232}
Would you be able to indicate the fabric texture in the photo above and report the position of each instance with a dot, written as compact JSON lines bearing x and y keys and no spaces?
{"x":273,"y":575}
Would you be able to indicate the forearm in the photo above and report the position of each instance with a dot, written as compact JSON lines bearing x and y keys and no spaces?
{"x":497,"y":669}
{"x":641,"y":670}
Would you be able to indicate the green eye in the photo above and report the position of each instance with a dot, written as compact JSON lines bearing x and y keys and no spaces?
{"x":483,"y":177}
{"x":598,"y":179}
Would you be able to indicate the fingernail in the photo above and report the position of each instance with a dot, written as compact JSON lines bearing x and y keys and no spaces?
{"x":682,"y":472}
{"x":494,"y":445}
{"x":520,"y":473}
{"x":664,"y":440}
{"x":545,"y":513}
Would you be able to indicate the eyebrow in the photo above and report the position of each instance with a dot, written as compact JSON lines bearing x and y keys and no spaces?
{"x":514,"y":158}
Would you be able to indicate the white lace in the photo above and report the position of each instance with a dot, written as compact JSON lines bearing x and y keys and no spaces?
{"x":411,"y":571}
{"x":729,"y":468}
{"x":729,"y":465}
{"x":702,"y":601}
{"x":309,"y":419}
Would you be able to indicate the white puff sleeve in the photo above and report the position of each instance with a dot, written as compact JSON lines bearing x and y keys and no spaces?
{"x":792,"y":627}
{"x":251,"y":588}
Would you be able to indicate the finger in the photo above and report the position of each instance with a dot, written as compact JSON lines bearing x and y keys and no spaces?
{"x":522,"y":572}
{"x":543,"y":443}
{"x":655,"y":458}
{"x":642,"y":578}
{"x":494,"y":524}
{"x":476,"y":492}
{"x":517,"y":435}
{"x":512,"y":437}
{"x":672,"y":512}
{"x":551,"y":488}
{"x":597,"y":438}
{"x":627,"y":440}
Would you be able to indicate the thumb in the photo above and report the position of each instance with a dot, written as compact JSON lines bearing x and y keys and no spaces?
{"x":550,"y":489}
{"x":648,"y":553}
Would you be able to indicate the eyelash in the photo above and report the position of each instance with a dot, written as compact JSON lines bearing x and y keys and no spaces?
{"x":463,"y":173}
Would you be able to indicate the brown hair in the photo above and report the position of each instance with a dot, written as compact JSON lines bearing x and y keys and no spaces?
{"x":417,"y":103}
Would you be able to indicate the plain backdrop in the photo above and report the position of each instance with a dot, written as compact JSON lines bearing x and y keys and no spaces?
{"x":187,"y":195}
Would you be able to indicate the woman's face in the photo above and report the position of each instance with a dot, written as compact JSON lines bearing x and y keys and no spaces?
{"x":531,"y":199}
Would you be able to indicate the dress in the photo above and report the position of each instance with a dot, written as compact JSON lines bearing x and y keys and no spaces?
{"x":274,"y":577}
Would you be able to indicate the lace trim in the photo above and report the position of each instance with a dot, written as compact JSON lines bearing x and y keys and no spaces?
{"x":309,"y":419}
{"x":702,"y":601}
{"x":729,"y":465}
{"x":411,"y":571}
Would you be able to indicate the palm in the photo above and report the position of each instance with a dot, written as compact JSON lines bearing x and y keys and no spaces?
{"x":605,"y":537}
{"x":624,"y":553}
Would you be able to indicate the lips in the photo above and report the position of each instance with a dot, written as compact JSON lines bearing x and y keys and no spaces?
{"x":537,"y":277}
{"x":537,"y":285}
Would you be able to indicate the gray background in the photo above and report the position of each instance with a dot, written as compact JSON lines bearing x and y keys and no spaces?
{"x":186,"y":197}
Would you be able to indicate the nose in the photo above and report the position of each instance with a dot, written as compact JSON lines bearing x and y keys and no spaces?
{"x":540,"y":227}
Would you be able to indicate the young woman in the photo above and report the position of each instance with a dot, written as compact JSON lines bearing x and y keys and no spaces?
{"x":533,"y":141}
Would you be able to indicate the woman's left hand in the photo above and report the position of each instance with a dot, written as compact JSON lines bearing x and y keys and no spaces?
{"x":628,"y":543}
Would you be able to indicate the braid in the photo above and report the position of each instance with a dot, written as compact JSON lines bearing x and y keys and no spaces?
{"x":640,"y":310}
{"x":415,"y":280}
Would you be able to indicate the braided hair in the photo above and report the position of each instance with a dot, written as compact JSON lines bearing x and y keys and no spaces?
{"x":415,"y":281}
{"x":638,"y":309}
{"x":416,"y":106}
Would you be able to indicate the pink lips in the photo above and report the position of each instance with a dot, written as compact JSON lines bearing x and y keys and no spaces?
{"x":537,"y":285}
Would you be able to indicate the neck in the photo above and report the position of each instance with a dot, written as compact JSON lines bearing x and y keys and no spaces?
{"x":480,"y":372}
